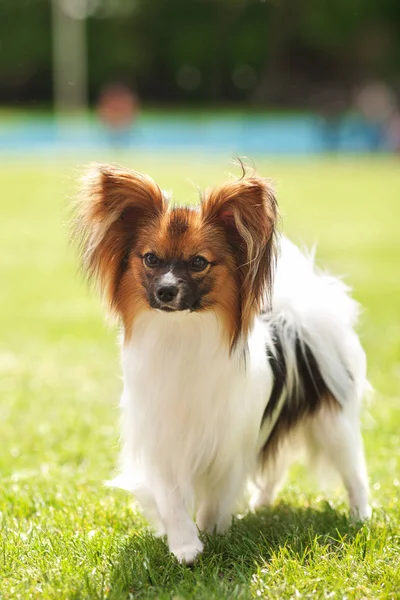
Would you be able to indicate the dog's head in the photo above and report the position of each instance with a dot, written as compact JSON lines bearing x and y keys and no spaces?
{"x":148,"y":256}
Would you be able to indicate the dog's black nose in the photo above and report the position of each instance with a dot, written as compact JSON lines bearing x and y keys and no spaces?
{"x":166,"y":293}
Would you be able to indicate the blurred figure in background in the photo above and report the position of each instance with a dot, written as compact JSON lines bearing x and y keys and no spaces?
{"x":376,"y":103}
{"x":393,"y":131}
{"x":331,"y":104}
{"x":118,"y":109}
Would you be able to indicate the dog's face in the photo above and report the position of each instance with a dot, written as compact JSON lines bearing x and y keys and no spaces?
{"x":180,"y":263}
{"x":171,"y":283}
{"x":149,"y":256}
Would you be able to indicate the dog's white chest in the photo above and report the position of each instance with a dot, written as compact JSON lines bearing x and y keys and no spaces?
{"x":187,"y":402}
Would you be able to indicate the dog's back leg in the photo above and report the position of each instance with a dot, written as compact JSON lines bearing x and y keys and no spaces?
{"x":336,"y":437}
{"x":273,"y":469}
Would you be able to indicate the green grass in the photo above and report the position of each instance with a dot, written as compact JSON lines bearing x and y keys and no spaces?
{"x":63,"y":534}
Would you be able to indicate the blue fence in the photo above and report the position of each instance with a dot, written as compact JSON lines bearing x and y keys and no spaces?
{"x":243,"y":134}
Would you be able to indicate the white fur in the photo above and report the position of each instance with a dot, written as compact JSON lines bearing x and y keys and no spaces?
{"x":168,"y":279}
{"x":191,"y":412}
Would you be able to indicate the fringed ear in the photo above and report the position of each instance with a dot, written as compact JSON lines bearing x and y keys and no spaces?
{"x":114,"y":204}
{"x":247,"y":212}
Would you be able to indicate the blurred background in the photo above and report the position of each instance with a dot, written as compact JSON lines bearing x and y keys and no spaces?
{"x":245,"y":76}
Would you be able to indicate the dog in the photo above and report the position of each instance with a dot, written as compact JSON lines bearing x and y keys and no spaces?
{"x":236,"y":351}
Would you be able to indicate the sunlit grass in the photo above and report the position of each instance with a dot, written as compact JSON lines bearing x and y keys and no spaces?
{"x":63,"y":534}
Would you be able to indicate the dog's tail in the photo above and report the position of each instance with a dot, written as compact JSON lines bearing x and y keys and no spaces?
{"x":315,"y":311}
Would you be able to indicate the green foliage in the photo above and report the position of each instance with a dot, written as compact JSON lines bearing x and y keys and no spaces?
{"x":146,"y":43}
{"x":63,"y":534}
{"x":25,"y":49}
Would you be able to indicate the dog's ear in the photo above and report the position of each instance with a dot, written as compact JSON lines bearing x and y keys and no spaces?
{"x":247,"y":212}
{"x":113,"y":205}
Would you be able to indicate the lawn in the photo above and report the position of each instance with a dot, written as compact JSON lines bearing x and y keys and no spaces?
{"x":63,"y":534}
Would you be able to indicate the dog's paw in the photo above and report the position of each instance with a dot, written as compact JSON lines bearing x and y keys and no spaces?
{"x":360,"y":513}
{"x":159,"y":530}
{"x":206,"y":521}
{"x":259,"y":499}
{"x":187,"y":554}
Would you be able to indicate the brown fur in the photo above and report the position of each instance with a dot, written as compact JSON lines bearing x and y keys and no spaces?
{"x":115,"y":204}
{"x":246,"y":211}
{"x":122,"y":215}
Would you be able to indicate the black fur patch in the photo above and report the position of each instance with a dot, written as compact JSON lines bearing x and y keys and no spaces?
{"x":303,"y":401}
{"x":278,"y":366}
{"x":193,"y":291}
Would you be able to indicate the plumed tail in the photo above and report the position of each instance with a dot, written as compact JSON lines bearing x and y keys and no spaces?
{"x":315,"y":310}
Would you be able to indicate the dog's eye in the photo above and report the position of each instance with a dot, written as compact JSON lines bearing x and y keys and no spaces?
{"x":151,"y":260}
{"x":198,"y":263}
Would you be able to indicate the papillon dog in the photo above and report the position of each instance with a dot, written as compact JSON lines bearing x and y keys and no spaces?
{"x":236,"y":351}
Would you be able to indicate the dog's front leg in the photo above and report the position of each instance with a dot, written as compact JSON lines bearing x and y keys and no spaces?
{"x":217,"y":504}
{"x":182,"y":534}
